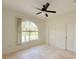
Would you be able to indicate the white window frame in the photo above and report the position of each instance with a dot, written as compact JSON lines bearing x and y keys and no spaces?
{"x":19,"y":30}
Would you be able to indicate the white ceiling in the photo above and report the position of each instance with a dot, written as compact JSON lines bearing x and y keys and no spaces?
{"x":28,"y":6}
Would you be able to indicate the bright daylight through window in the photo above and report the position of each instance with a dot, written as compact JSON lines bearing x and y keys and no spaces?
{"x":29,"y":31}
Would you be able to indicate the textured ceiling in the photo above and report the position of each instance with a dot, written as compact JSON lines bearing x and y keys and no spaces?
{"x":28,"y":6}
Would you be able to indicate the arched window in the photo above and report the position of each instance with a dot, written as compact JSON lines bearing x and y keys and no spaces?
{"x":29,"y":31}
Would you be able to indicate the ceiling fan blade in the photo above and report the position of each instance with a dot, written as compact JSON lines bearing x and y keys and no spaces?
{"x":47,"y":5}
{"x":38,"y":13}
{"x":51,"y":11}
{"x":46,"y":15}
{"x":39,"y":9}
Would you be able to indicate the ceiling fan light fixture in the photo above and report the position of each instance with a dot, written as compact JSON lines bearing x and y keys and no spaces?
{"x":44,"y":9}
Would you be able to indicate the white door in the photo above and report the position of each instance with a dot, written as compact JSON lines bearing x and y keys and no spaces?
{"x":71,"y":37}
{"x":60,"y":35}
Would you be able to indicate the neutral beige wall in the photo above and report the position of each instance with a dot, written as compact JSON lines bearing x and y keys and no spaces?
{"x":10,"y":30}
{"x":57,"y":30}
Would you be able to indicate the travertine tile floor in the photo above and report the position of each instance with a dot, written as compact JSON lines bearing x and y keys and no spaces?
{"x":43,"y":52}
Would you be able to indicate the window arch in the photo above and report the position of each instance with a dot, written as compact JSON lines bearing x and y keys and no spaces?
{"x":29,"y":31}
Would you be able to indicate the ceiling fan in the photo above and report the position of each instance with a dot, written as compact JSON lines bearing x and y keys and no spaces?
{"x":44,"y":9}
